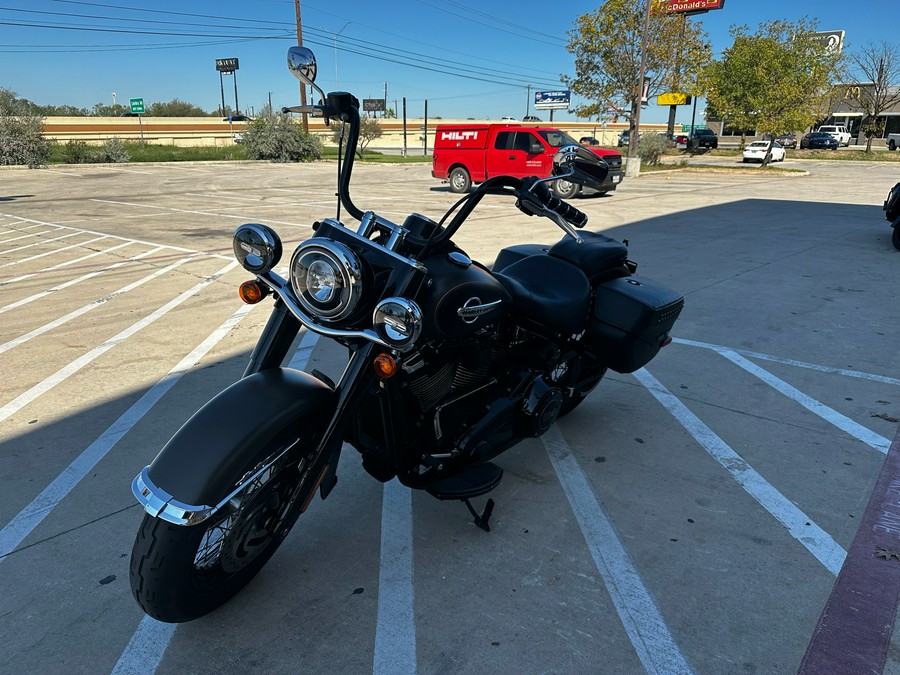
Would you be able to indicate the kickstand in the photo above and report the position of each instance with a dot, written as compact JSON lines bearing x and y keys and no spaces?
{"x":482,"y":520}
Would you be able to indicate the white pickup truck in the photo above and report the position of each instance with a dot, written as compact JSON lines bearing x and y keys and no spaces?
{"x":839,"y":133}
{"x":893,"y":141}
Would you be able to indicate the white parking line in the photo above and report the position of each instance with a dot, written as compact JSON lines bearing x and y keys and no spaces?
{"x":791,"y":362}
{"x":799,"y":525}
{"x":245,"y":219}
{"x":53,"y":252}
{"x":37,"y":243}
{"x":61,"y":375}
{"x":28,"y":235}
{"x":395,"y":629}
{"x":40,"y":330}
{"x":830,"y":415}
{"x":637,"y":610}
{"x":67,"y":263}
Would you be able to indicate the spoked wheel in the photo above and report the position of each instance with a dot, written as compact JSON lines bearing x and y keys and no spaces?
{"x":179,"y":573}
{"x":589,"y":376}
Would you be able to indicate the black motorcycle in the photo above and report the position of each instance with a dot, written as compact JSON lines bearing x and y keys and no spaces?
{"x":450,"y":363}
{"x":892,"y":213}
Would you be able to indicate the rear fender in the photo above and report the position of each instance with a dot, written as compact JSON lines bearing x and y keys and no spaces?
{"x":203,"y":462}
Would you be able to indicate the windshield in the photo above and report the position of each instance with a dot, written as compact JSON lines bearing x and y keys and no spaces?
{"x":556,"y":138}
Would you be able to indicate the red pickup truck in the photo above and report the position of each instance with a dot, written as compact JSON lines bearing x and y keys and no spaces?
{"x":471,"y":153}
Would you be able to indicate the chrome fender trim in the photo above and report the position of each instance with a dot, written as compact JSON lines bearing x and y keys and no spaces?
{"x":160,"y":504}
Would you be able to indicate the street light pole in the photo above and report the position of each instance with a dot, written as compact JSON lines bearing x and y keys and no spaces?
{"x":336,"y":80}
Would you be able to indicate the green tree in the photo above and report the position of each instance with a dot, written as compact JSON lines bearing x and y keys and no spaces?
{"x":369,"y":130}
{"x":104,"y":110}
{"x":607,"y":43}
{"x":877,"y":69}
{"x":175,"y":108}
{"x":776,"y":80}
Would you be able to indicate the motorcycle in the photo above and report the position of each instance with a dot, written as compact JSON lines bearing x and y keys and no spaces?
{"x":891,"y":209}
{"x":450,"y":363}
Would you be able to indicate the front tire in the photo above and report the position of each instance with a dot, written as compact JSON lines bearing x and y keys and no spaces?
{"x":180,"y":573}
{"x":460,"y":180}
{"x":895,"y":237}
{"x":564,"y":189}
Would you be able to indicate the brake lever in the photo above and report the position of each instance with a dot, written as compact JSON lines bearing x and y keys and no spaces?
{"x":531,"y":205}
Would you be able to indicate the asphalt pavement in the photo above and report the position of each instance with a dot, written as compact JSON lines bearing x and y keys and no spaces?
{"x":692,"y":517}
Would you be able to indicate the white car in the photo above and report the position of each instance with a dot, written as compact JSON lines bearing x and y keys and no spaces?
{"x":508,"y":119}
{"x":838,"y":133}
{"x":756,"y":152}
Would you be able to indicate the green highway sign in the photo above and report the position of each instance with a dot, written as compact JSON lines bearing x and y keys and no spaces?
{"x":137,"y":105}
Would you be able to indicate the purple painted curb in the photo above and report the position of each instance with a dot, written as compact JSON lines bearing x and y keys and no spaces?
{"x":854,"y":631}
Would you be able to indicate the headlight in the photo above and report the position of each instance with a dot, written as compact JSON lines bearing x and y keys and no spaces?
{"x":327,"y":278}
{"x":397,"y":321}
{"x":256,"y":247}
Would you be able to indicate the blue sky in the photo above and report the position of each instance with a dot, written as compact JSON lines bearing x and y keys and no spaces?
{"x":79,"y":53}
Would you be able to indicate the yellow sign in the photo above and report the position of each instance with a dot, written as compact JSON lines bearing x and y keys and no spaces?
{"x":673,"y":99}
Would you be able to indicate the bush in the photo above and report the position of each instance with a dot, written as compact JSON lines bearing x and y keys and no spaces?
{"x":279,"y":138}
{"x":369,"y":130}
{"x":77,"y":152}
{"x":22,"y":140}
{"x":651,"y":147}
{"x":114,"y":152}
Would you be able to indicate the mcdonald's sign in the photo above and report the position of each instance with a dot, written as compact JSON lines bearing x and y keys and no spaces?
{"x":852,"y":92}
{"x":692,"y":6}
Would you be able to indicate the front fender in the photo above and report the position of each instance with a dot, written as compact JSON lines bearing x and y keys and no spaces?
{"x":202,"y":462}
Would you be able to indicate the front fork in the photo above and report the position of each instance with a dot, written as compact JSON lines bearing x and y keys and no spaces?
{"x":270,"y":351}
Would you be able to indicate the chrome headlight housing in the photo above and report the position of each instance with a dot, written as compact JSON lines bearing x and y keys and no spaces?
{"x":397,"y":321}
{"x":256,"y":247}
{"x":327,"y":278}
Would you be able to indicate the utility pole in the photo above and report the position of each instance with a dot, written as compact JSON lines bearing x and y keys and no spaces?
{"x":302,"y":86}
{"x":528,"y":102}
{"x":633,"y":167}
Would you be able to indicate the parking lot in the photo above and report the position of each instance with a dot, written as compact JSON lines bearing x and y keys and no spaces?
{"x":692,"y":517}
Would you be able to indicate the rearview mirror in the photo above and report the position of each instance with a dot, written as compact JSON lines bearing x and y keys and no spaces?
{"x":580,"y":165}
{"x":302,"y":63}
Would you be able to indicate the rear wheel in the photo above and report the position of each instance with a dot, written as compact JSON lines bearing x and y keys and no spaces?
{"x":460,"y":180}
{"x":564,"y":189}
{"x":891,"y":145}
{"x":179,"y":573}
{"x":589,"y":376}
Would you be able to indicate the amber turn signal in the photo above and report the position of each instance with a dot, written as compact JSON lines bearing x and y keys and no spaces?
{"x":252,"y":292}
{"x":385,"y":366}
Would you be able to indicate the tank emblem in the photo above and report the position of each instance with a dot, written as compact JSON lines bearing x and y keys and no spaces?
{"x":472,"y":309}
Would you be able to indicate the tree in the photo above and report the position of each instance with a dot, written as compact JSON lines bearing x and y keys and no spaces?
{"x":776,"y":80}
{"x":369,"y":130}
{"x":175,"y":108}
{"x":606,"y":44}
{"x":103,"y":110}
{"x":278,"y":138}
{"x":877,"y":70}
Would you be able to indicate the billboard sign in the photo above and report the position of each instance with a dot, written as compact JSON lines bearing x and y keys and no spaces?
{"x":552,"y":100}
{"x":226,"y":65}
{"x":673,"y":99}
{"x":692,"y":6}
{"x":373,"y":104}
{"x":833,"y":39}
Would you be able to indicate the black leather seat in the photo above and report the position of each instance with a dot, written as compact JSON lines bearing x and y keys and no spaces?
{"x":550,"y":291}
{"x":598,"y":253}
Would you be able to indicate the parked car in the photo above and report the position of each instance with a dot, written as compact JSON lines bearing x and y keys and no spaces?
{"x":704,"y":138}
{"x":508,"y":119}
{"x":237,"y":117}
{"x":786,"y":140}
{"x":588,"y":140}
{"x":531,"y":118}
{"x":624,"y":137}
{"x":756,"y":152}
{"x":893,"y":142}
{"x":819,"y":140}
{"x":837,"y":132}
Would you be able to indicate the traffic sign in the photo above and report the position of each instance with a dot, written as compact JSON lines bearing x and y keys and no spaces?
{"x":137,"y":105}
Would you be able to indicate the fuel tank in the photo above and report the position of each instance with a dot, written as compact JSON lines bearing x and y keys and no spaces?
{"x":460,"y":297}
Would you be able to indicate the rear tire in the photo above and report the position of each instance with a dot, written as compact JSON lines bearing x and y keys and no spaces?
{"x":564,"y":189}
{"x":180,"y":573}
{"x":589,"y":377}
{"x":460,"y":180}
{"x":891,"y":145}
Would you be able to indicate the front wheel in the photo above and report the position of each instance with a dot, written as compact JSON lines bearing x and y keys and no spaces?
{"x":891,"y":145}
{"x":564,"y":189}
{"x":460,"y":180}
{"x":179,"y":573}
{"x":895,"y":237}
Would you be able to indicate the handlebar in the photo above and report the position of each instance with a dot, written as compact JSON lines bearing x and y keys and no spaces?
{"x":569,"y":213}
